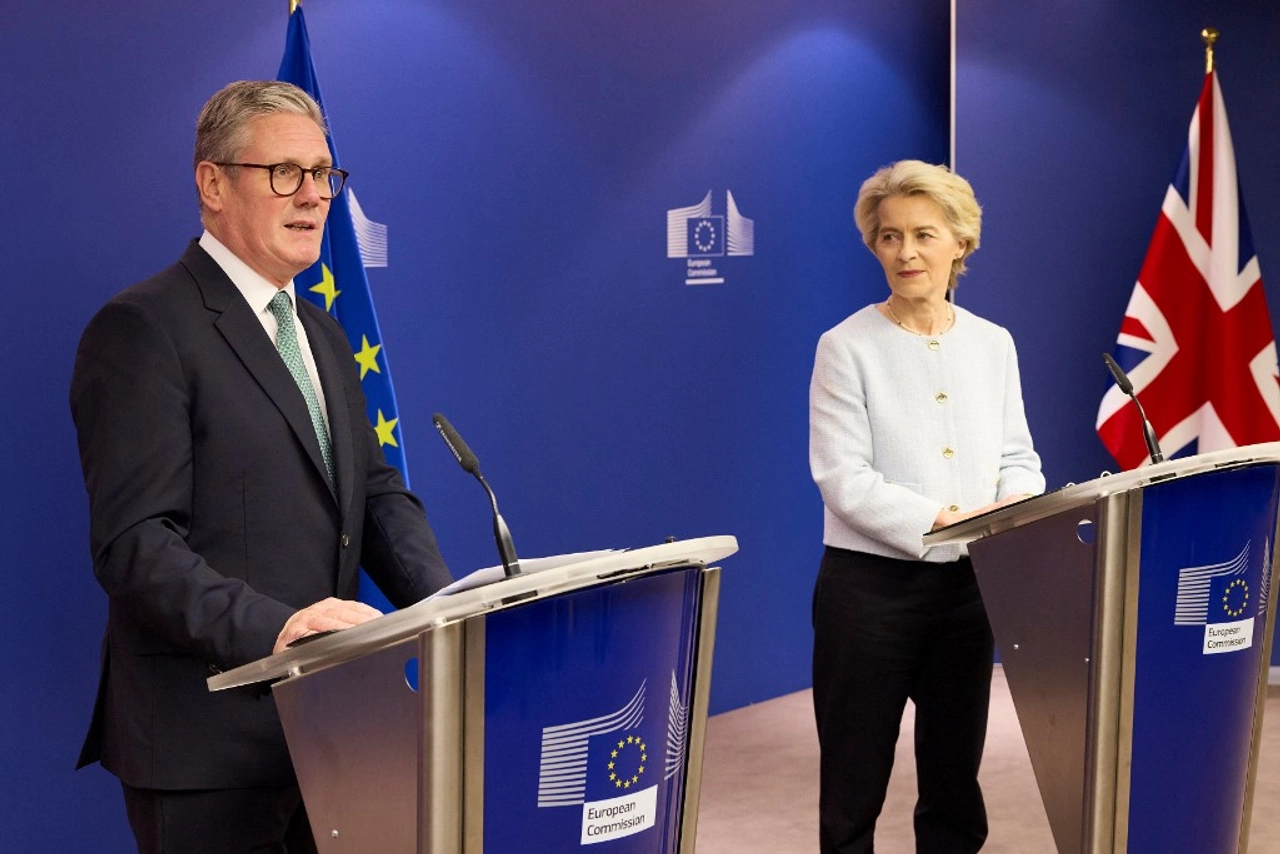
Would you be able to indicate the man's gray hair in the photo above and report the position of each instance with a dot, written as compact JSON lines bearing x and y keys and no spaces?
{"x":223,"y":123}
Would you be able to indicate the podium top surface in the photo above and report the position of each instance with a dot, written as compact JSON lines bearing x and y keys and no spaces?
{"x":1083,"y":494}
{"x":441,"y":609}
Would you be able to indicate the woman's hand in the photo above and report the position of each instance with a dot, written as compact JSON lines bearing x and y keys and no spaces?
{"x":947,"y":517}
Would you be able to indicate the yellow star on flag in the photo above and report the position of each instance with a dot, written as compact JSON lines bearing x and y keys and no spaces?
{"x":368,"y":357}
{"x":386,"y":430}
{"x":326,"y":287}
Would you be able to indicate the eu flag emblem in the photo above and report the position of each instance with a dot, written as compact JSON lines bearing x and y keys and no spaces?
{"x":706,"y":236}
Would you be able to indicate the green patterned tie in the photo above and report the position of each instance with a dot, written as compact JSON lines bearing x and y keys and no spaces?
{"x":287,"y":344}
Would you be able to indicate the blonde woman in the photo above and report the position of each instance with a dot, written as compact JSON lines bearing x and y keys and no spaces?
{"x":916,"y":421}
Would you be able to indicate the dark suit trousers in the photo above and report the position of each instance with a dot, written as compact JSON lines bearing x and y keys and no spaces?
{"x":263,"y":820}
{"x":886,"y":631}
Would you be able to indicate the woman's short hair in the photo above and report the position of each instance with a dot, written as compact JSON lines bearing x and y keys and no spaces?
{"x":917,"y":178}
{"x":224,"y":121}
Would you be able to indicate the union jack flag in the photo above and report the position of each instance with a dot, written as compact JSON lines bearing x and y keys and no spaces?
{"x":1196,"y":340}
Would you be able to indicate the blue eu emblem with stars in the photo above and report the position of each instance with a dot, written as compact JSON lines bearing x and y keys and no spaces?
{"x":1229,"y":598}
{"x":706,"y":235}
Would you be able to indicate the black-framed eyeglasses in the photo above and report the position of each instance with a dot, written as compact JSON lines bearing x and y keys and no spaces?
{"x":286,"y":178}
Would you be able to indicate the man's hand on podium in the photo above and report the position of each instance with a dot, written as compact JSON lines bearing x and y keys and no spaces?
{"x":328,"y":615}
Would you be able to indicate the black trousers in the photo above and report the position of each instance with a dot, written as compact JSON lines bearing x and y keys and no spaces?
{"x":269,"y":820}
{"x":886,"y":631}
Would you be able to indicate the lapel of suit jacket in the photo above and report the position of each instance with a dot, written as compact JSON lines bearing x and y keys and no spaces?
{"x":244,"y":333}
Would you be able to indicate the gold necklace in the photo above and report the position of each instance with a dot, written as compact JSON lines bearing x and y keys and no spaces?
{"x":951,"y":318}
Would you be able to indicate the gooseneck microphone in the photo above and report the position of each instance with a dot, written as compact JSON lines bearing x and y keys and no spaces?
{"x":469,"y":463}
{"x":1122,"y":380}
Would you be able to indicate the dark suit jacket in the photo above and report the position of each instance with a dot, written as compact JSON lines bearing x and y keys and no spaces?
{"x":212,"y":519}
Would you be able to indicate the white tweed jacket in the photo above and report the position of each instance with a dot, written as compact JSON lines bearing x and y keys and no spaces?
{"x":902,"y":425}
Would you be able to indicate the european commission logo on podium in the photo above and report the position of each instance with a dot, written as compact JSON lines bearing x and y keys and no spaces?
{"x":1225,"y":598}
{"x":610,"y":767}
{"x":698,"y":235}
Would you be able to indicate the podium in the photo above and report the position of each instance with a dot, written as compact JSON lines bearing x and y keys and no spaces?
{"x":552,"y":711}
{"x":1133,"y":616}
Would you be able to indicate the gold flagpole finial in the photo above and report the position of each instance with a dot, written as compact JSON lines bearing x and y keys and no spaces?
{"x":1210,"y":37}
{"x":294,"y":4}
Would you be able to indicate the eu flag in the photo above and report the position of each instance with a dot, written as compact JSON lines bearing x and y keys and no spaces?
{"x":338,"y":284}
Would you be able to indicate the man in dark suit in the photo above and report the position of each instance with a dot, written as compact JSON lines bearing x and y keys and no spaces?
{"x":235,"y":487}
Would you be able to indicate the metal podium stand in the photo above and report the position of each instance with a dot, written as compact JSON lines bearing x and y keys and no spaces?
{"x":1133,"y":615}
{"x":558,"y":710}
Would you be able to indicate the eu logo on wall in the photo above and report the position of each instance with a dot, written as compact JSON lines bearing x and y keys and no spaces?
{"x":1224,"y":598}
{"x":699,"y":236}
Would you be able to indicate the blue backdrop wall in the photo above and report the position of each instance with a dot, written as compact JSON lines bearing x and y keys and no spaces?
{"x":524,"y":157}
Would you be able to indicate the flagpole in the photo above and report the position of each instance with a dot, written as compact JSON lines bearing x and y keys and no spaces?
{"x":1208,"y":34}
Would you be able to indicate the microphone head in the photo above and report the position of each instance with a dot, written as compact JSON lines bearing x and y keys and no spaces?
{"x":1121,"y":378}
{"x":461,"y":452}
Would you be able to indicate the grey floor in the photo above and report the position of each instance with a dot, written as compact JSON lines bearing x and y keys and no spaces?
{"x":760,"y":783}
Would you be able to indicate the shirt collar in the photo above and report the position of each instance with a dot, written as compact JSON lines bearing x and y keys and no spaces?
{"x":256,"y":290}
